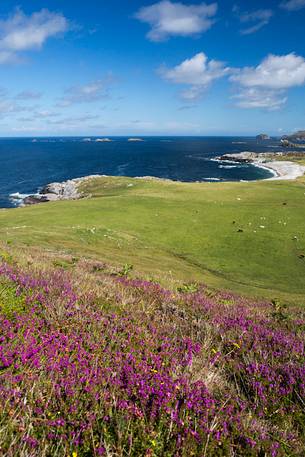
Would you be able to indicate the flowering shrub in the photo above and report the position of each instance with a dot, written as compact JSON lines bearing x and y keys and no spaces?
{"x":145,"y":371}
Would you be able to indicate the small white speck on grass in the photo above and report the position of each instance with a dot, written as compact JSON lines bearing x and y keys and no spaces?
{"x":238,"y":198}
{"x":262,"y":226}
{"x":19,"y":227}
{"x":129,"y":185}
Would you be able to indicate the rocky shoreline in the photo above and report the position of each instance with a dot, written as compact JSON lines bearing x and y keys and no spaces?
{"x":282,"y":169}
{"x":67,"y":190}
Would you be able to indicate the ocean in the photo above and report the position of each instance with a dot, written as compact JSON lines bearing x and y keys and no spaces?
{"x":27,"y":164}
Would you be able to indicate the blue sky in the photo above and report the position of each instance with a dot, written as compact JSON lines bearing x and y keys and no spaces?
{"x":152,"y":68}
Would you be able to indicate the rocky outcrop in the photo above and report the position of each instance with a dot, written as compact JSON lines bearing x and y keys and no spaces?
{"x":263,"y":137}
{"x":103,"y":140}
{"x":34,"y":199}
{"x":250,"y":157}
{"x":67,"y":190}
{"x":297,"y":136}
{"x":288,"y":144}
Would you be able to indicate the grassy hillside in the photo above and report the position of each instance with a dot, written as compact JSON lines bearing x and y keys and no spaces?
{"x":97,"y":361}
{"x":97,"y":364}
{"x":247,"y":237}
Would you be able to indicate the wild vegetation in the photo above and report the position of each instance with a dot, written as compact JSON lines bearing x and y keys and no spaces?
{"x":95,"y":362}
{"x":119,"y":336}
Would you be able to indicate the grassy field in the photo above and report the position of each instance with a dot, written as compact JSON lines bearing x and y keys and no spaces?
{"x":246,"y":237}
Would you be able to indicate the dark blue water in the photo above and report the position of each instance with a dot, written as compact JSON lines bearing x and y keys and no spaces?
{"x":26,"y":164}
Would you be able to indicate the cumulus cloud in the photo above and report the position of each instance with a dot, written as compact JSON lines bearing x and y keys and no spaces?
{"x":87,"y":93}
{"x":196,"y":74}
{"x":168,"y":19}
{"x":275,"y":72}
{"x":266,"y":85}
{"x":258,"y":19}
{"x":293,"y":5}
{"x":21,"y":33}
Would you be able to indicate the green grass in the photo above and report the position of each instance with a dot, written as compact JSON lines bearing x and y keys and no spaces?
{"x":246,"y":237}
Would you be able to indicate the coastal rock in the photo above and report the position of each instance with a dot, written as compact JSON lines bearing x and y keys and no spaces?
{"x":288,"y":144}
{"x":67,"y":190}
{"x":297,"y":136}
{"x":53,"y":188}
{"x":251,"y":157}
{"x":263,"y":137}
{"x":244,"y":157}
{"x":34,"y":199}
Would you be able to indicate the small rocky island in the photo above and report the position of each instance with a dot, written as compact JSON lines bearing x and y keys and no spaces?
{"x":263,"y":137}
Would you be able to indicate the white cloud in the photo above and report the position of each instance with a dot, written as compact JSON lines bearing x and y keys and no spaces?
{"x":270,"y":100}
{"x":168,"y":19}
{"x":22,"y":33}
{"x":196,"y":73}
{"x":258,"y":18}
{"x":87,"y":93}
{"x":275,"y":72}
{"x":293,"y":5}
{"x":266,"y":85}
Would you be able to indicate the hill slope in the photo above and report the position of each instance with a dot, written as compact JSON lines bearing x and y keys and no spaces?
{"x":93,"y":364}
{"x":247,"y":237}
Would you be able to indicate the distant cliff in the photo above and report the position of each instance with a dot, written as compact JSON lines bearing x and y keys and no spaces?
{"x":296,"y":140}
{"x":297,"y":136}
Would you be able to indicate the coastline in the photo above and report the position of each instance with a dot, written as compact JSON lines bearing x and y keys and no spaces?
{"x":284,"y":170}
{"x":68,"y":190}
{"x":281,"y":169}
{"x":56,"y":191}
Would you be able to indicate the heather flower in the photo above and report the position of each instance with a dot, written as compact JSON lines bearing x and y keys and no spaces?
{"x":168,"y":373}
